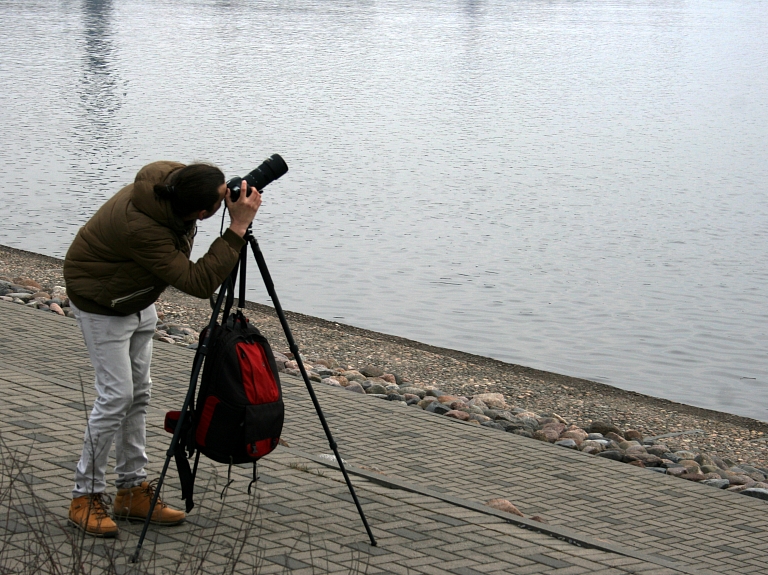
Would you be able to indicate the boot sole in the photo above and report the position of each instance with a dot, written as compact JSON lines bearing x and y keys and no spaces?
{"x":134,"y":518}
{"x":105,"y":535}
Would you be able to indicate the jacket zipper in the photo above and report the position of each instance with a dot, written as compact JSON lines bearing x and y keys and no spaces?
{"x":131,"y":296}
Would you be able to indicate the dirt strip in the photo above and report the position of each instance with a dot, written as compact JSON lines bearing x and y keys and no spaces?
{"x":578,"y":401}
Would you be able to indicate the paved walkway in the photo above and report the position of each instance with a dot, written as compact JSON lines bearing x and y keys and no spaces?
{"x":422,"y":480}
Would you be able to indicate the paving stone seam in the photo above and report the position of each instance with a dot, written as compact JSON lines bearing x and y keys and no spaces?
{"x":565,"y":534}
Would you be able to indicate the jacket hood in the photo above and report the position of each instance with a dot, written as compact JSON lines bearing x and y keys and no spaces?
{"x":146,"y":201}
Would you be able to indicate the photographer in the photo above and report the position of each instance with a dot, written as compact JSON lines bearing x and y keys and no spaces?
{"x":137,"y":244}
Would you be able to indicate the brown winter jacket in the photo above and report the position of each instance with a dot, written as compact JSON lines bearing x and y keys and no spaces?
{"x":135,"y":246}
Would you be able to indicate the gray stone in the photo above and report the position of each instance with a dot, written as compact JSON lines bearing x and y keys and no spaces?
{"x":372,"y":371}
{"x":355,"y":387}
{"x":390,"y":397}
{"x":492,"y":424}
{"x":756,"y":492}
{"x":603,"y":427}
{"x":413,"y":401}
{"x":521,"y":432}
{"x":661,"y":470}
{"x":613,"y":454}
{"x":377,"y":389}
{"x":20,"y":295}
{"x":435,"y":393}
{"x":437,"y":407}
{"x":719,"y":483}
{"x":591,"y":437}
{"x":570,"y":443}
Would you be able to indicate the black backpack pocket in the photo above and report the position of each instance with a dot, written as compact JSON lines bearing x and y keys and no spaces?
{"x":218,"y":424}
{"x":263,"y":425}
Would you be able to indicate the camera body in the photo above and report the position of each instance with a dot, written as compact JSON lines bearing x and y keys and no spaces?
{"x":268,"y":171}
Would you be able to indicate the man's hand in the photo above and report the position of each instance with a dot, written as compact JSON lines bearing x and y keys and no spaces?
{"x":244,"y":209}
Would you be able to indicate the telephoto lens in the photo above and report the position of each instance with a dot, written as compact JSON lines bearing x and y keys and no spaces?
{"x":267,"y":172}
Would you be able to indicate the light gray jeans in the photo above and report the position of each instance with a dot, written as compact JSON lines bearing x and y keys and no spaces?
{"x":120,"y":349}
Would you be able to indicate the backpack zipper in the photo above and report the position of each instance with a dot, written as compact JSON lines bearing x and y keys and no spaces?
{"x":131,"y":296}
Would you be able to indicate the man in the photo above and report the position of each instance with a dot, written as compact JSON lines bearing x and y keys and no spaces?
{"x":121,"y":260}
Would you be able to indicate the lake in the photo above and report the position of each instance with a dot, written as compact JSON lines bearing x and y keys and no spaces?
{"x":576,"y":186}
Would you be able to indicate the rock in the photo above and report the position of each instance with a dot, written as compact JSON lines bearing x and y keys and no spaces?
{"x":636,"y":463}
{"x":710,"y":469}
{"x":41,"y":295}
{"x":657,"y":450}
{"x":28,"y":282}
{"x":676,"y":471}
{"x":635,"y":449}
{"x":279,"y":357}
{"x":703,"y":459}
{"x":355,"y":386}
{"x":395,"y":397}
{"x":593,"y":436}
{"x":719,"y":462}
{"x":633,"y":434}
{"x":546,"y":434}
{"x":492,"y":424}
{"x":492,"y":400}
{"x":577,"y":435}
{"x":460,"y":405}
{"x":437,"y":407}
{"x":504,"y":505}
{"x":447,"y":399}
{"x":412,"y":401}
{"x":414,"y":390}
{"x":686,"y":455}
{"x":613,"y":454}
{"x":479,"y":418}
{"x":473,"y":409}
{"x":25,"y":297}
{"x":434,"y":392}
{"x":57,"y":309}
{"x":426,"y":401}
{"x":456,"y":414}
{"x":648,"y":459}
{"x":478,"y":403}
{"x":591,"y":446}
{"x":374,"y":388}
{"x":736,"y":479}
{"x":614,"y":437}
{"x":353,"y":375}
{"x":389,"y":378}
{"x":569,"y":443}
{"x":557,"y":427}
{"x":538,"y":518}
{"x":693,"y":476}
{"x":328,"y":381}
{"x":603,"y":427}
{"x":521,"y":432}
{"x":166,"y":339}
{"x":718,"y":483}
{"x":372,"y":371}
{"x":759,"y":493}
{"x":627,"y":444}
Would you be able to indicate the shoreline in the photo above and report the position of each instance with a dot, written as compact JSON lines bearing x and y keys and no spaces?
{"x":578,"y":401}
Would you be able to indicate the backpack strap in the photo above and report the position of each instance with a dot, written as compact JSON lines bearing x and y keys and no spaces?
{"x":255,"y":477}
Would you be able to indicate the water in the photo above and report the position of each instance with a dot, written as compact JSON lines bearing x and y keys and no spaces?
{"x":574,"y":186}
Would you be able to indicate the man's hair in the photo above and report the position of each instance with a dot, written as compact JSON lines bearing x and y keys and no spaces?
{"x":192,"y":188}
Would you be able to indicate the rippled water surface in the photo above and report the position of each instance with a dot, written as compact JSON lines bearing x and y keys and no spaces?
{"x":574,"y":186}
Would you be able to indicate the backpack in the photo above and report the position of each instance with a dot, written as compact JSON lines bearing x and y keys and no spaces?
{"x":239,"y":412}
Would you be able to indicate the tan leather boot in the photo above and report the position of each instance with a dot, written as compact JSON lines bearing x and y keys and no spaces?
{"x":89,"y":513}
{"x":134,"y":502}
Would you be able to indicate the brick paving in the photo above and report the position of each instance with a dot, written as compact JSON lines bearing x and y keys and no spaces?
{"x":422,"y":480}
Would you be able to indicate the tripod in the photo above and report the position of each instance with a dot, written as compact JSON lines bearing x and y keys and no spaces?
{"x":227,"y":290}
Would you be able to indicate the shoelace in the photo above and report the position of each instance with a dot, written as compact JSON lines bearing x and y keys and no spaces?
{"x":99,"y":503}
{"x":150,"y":491}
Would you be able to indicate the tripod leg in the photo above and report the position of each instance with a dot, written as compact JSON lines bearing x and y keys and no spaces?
{"x":197,"y":364}
{"x":295,"y":350}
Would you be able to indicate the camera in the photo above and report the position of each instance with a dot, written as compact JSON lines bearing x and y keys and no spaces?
{"x":268,"y":171}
